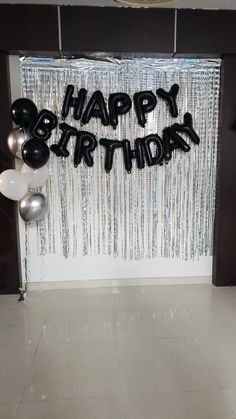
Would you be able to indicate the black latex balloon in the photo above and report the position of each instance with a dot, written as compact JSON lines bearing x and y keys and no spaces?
{"x":170,"y":98}
{"x":85,"y":145}
{"x":35,"y":153}
{"x":158,"y":157}
{"x":24,"y":112}
{"x":119,"y":104}
{"x":96,"y":108}
{"x":73,"y":102}
{"x":187,"y":128}
{"x":144,"y":102}
{"x":44,"y":125}
{"x":110,"y":146}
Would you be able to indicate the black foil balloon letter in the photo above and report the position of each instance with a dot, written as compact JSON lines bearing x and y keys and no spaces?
{"x":144,"y":102}
{"x":60,"y":148}
{"x":139,"y":154}
{"x":46,"y":122}
{"x":158,"y":157}
{"x":177,"y":141}
{"x":170,"y":98}
{"x":24,"y":112}
{"x":110,"y":146}
{"x":187,"y":128}
{"x":129,"y":154}
{"x":167,"y":149}
{"x":73,"y":102}
{"x":35,"y":153}
{"x":85,"y":145}
{"x":119,"y":104}
{"x":96,"y":108}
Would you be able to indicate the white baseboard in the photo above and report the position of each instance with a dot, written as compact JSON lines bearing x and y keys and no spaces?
{"x":98,"y":283}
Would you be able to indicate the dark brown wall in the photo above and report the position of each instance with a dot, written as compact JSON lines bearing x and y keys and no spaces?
{"x":25,"y":28}
{"x":206,"y":32}
{"x":117,"y":30}
{"x":35,"y":28}
{"x":9,"y":263}
{"x":224,"y":267}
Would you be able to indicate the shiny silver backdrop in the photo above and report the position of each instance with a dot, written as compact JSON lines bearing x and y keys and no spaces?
{"x":161,"y":211}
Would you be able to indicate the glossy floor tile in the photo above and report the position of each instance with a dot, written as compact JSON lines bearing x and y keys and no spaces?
{"x":163,"y":352}
{"x":8,"y":410}
{"x":84,"y":408}
{"x":128,"y":324}
{"x":15,"y":363}
{"x":162,"y":365}
{"x":75,"y":324}
{"x":23,"y":323}
{"x":230,"y":398}
{"x":219,"y":354}
{"x":161,"y":322}
{"x":180,"y":405}
{"x":217,"y":318}
{"x":73,"y":370}
{"x":20,"y":327}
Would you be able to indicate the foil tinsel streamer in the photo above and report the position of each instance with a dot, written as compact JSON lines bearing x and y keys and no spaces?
{"x":163,"y":211}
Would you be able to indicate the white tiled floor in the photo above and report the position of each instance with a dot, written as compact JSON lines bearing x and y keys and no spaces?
{"x":155,"y":352}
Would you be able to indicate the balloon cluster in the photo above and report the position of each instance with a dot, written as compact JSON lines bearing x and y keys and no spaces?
{"x":28,"y":146}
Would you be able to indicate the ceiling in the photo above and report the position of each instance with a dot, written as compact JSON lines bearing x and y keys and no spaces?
{"x":198,"y":4}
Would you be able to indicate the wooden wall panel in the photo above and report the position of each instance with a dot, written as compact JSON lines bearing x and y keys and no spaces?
{"x":206,"y":32}
{"x":224,"y":266}
{"x":117,"y":30}
{"x":10,"y":272}
{"x":25,"y":28}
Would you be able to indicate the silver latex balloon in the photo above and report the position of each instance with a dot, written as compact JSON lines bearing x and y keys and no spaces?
{"x":15,"y":140}
{"x":32,"y":206}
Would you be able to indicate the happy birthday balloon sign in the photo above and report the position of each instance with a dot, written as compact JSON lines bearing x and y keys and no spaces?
{"x":149,"y":150}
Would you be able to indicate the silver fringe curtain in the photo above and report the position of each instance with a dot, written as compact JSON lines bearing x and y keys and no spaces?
{"x":165,"y":211}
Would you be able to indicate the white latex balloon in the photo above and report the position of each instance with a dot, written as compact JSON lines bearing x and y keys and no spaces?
{"x":36,"y":177}
{"x":13,"y":184}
